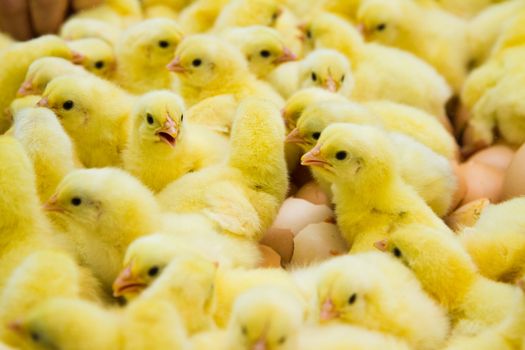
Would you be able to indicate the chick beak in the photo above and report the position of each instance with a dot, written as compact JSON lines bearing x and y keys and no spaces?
{"x":52,"y":206}
{"x":294,"y":137}
{"x":314,"y":158}
{"x":362,"y":29}
{"x":44,"y":102}
{"x":16,"y":326}
{"x":381,"y":245}
{"x":26,"y":89}
{"x":328,"y":311}
{"x":330,"y":84}
{"x":168,"y":133}
{"x":176,"y":66}
{"x":287,"y":56}
{"x":77,"y":57}
{"x":126,"y":283}
{"x":302,"y":32}
{"x":521,"y":284}
{"x":260,"y":345}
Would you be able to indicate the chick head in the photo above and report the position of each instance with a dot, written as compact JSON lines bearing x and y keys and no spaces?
{"x":158,"y":118}
{"x":355,"y":155}
{"x":381,"y":20}
{"x":327,"y":69}
{"x":265,"y":318}
{"x":42,"y":71}
{"x":108,"y":201}
{"x":98,"y":56}
{"x":325,"y":30}
{"x":66,"y":324}
{"x":202,"y":60}
{"x":298,"y":102}
{"x":150,"y":43}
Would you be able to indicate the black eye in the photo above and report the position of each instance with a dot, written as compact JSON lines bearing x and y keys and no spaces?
{"x":282,"y":340}
{"x":397,"y":252}
{"x":99,"y":64}
{"x":149,"y":119}
{"x":275,"y":16}
{"x":244,"y":330}
{"x":68,"y":105}
{"x":196,"y":62}
{"x":352,"y":299}
{"x":76,"y":201}
{"x":181,"y":117}
{"x":343,"y":78}
{"x":164,"y":44}
{"x":152,"y":272}
{"x":309,"y":34}
{"x":381,"y":27}
{"x":35,"y":336}
{"x":265,"y":53}
{"x":314,"y":76}
{"x":341,"y":155}
{"x":316,"y":135}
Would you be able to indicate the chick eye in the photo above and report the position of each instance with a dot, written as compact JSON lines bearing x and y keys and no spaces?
{"x":181,"y":117}
{"x":309,"y":34}
{"x":281,"y":340}
{"x":397,"y":252}
{"x":341,"y":155}
{"x":381,"y":27}
{"x":99,"y":64}
{"x":275,"y":16}
{"x":149,"y":119}
{"x":196,"y":62}
{"x":314,"y":76}
{"x":164,"y":44}
{"x":152,"y":272}
{"x":343,"y":78}
{"x":265,"y":53}
{"x":35,"y":336}
{"x":244,"y":330}
{"x":352,"y":299}
{"x":68,"y":105}
{"x":316,"y":135}
{"x":76,"y":201}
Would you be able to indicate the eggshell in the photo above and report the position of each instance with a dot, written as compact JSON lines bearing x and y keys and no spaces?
{"x":270,"y":257}
{"x":483,"y":181}
{"x":514,"y":182}
{"x":313,"y":193}
{"x":295,"y":214}
{"x":498,"y":156}
{"x":461,"y":190}
{"x":317,"y":242}
{"x":280,"y":240}
{"x":467,"y":215}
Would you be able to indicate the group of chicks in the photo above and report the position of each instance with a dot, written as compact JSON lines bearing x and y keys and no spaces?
{"x":265,"y":175}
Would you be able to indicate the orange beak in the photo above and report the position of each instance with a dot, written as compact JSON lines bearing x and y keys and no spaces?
{"x":168,"y":133}
{"x":260,"y":345}
{"x":126,"y":283}
{"x":330,"y":84}
{"x":328,"y":311}
{"x":381,"y":245}
{"x":314,"y":158}
{"x":302,"y":32}
{"x":295,"y":137}
{"x":77,"y":57}
{"x":176,"y":66}
{"x":52,"y":206}
{"x":362,"y":29}
{"x":26,"y":89}
{"x":287,"y":56}
{"x":44,"y":102}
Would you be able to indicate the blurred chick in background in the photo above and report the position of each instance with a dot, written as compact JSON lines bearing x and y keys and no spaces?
{"x":243,"y":13}
{"x":83,"y":28}
{"x":98,"y":56}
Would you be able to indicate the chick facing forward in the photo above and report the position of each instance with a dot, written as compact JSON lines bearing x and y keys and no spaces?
{"x":163,"y":147}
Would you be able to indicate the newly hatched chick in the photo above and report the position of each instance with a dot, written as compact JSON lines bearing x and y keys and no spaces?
{"x":262,"y":47}
{"x":496,"y":242}
{"x":371,"y":198}
{"x":102,"y":211}
{"x":142,"y":53}
{"x":380,"y":294}
{"x":243,"y":13}
{"x":47,"y":145}
{"x":265,"y":318}
{"x":328,"y":69}
{"x":18,"y":57}
{"x":98,"y":56}
{"x":381,"y":72}
{"x":162,"y":147}
{"x":208,"y":66}
{"x":255,"y":176}
{"x":82,"y":28}
{"x":432,"y":34}
{"x":95,"y":114}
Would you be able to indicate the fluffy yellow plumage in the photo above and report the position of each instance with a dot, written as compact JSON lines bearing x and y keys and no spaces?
{"x":243,"y":13}
{"x":98,"y":56}
{"x":82,"y":28}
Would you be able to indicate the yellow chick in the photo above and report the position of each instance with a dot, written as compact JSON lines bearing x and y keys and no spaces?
{"x":142,"y":53}
{"x":99,"y":57}
{"x":265,"y":318}
{"x":241,"y":196}
{"x":513,"y":35}
{"x":95,"y":114}
{"x":17,"y":105}
{"x":327,"y":69}
{"x":474,"y":302}
{"x":431,"y":34}
{"x":215,"y":113}
{"x":162,"y":147}
{"x":42,"y":71}
{"x":380,"y":294}
{"x":200,"y":15}
{"x":202,"y":63}
{"x":243,"y":13}
{"x":102,"y":211}
{"x":496,"y":242}
{"x":52,"y":160}
{"x":342,"y":337}
{"x":262,"y":47}
{"x":371,"y":198}
{"x":18,"y":57}
{"x":120,"y":13}
{"x":82,"y":28}
{"x":288,"y":25}
{"x":381,"y":72}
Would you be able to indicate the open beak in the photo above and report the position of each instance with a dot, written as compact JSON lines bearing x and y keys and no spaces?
{"x":294,"y":137}
{"x":26,"y":89}
{"x":168,"y":133}
{"x":77,"y":57}
{"x":314,"y":158}
{"x":287,"y":56}
{"x":176,"y":66}
{"x":44,"y":102}
{"x":127,"y":283}
{"x":52,"y":206}
{"x":328,"y":311}
{"x":381,"y":245}
{"x":330,"y":84}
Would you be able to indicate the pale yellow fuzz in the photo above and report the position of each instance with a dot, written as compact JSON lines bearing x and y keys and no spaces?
{"x":82,"y":28}
{"x":465,"y":8}
{"x":243,"y":13}
{"x":200,"y":15}
{"x":215,"y":113}
{"x":120,"y":13}
{"x":5,"y":41}
{"x":99,"y":57}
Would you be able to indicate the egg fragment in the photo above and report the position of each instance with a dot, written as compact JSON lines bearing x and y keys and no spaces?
{"x":295,"y":214}
{"x":467,"y":215}
{"x":313,"y":193}
{"x":483,"y":181}
{"x":498,"y":156}
{"x":513,"y":184}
